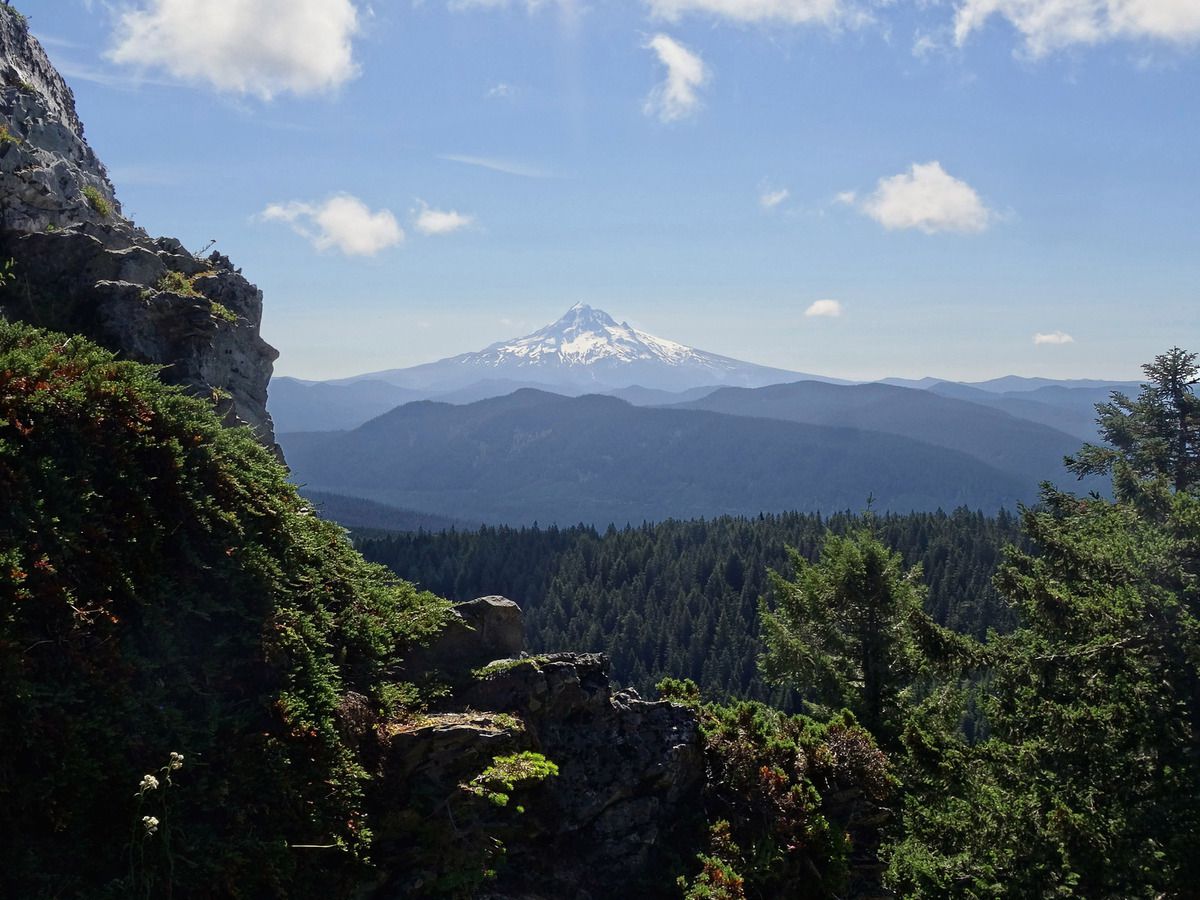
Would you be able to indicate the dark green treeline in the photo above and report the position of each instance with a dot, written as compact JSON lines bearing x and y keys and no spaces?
{"x":680,"y":598}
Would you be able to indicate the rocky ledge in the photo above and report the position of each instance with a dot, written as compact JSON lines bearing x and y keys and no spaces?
{"x":614,"y":821}
{"x":79,"y":266}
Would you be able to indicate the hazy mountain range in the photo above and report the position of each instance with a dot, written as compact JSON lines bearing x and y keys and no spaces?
{"x":519,"y":432}
{"x":588,"y":352}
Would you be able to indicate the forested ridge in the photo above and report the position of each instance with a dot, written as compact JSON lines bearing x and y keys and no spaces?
{"x":681,"y":598}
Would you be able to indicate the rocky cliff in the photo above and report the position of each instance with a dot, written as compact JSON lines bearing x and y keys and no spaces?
{"x":79,"y":266}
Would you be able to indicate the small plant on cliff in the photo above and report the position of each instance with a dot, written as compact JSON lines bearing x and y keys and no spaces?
{"x":497,"y":781}
{"x":6,"y":136}
{"x":223,"y":312}
{"x":97,"y":201}
{"x":177,"y":283}
{"x":153,"y":832}
{"x":7,"y":273}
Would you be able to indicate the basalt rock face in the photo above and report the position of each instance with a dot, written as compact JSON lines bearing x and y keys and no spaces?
{"x":79,"y":266}
{"x":611,"y":824}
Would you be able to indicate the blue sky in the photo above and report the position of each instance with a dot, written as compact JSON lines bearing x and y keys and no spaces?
{"x":964,"y":188}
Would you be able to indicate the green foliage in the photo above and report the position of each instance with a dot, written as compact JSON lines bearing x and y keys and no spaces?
{"x":850,"y":630}
{"x":497,"y":666}
{"x":222,"y":312}
{"x":398,"y":700}
{"x":26,"y":87}
{"x":497,"y":782}
{"x":449,"y":844}
{"x":1153,"y":438}
{"x":1084,"y":781}
{"x":163,"y":586}
{"x":8,"y":273}
{"x":177,"y":283}
{"x":785,"y":789}
{"x":717,"y":880}
{"x":680,"y":599}
{"x":7,"y":137}
{"x":15,"y":13}
{"x":97,"y":201}
{"x":684,"y":691}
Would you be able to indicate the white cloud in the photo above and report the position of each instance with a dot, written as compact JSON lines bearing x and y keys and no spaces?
{"x":830,"y":309}
{"x":1053,"y":337}
{"x":343,"y":221}
{"x":1048,"y":25}
{"x":788,"y":12}
{"x":436,"y":221}
{"x":676,"y":98}
{"x":499,"y":91}
{"x":769,"y":199}
{"x":927,"y":198}
{"x":258,"y":47}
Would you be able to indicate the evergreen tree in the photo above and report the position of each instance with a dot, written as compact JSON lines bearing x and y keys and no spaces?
{"x":1156,"y":436}
{"x":1085,"y":782}
{"x":851,"y":629}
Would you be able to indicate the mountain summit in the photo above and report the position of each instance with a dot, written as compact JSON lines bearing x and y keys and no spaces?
{"x":586,"y":350}
{"x":585,"y":336}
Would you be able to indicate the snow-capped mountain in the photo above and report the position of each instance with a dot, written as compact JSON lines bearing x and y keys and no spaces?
{"x":585,"y":351}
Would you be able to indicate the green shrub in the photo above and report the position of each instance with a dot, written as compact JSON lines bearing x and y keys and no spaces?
{"x":772,"y":779}
{"x":496,"y":783}
{"x":6,"y":136}
{"x":164,"y":588}
{"x":221,"y":311}
{"x":97,"y":201}
{"x":177,"y":283}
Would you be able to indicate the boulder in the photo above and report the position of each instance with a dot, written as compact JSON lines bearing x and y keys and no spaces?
{"x":480,"y":631}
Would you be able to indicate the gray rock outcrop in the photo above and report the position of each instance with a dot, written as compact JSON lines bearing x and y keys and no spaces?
{"x":609,"y":826}
{"x":79,"y":266}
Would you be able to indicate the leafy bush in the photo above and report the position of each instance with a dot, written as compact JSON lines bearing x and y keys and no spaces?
{"x":163,"y":588}
{"x":7,"y":137}
{"x":783,"y":793}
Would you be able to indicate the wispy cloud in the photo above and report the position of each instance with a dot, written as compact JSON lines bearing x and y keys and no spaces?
{"x":677,"y":96}
{"x":1053,"y":337}
{"x":785,"y":12}
{"x":829,"y":309}
{"x":431,"y":221}
{"x":925,"y":198}
{"x":770,"y":198}
{"x":261,"y":49}
{"x":501,"y":91}
{"x":343,"y":222}
{"x":505,"y":166}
